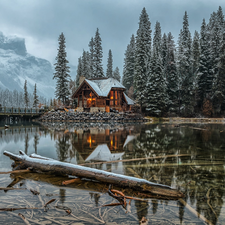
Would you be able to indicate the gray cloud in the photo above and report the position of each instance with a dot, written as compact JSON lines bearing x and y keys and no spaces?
{"x":41,"y":22}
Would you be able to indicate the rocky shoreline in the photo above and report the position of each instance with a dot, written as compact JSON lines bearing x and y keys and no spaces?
{"x":87,"y":117}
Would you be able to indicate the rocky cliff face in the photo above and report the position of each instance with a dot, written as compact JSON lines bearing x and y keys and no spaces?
{"x":16,"y":66}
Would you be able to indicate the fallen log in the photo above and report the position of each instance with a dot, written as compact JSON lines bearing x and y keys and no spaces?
{"x":22,"y":161}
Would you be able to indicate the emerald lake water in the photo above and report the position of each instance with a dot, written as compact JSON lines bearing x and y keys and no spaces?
{"x":188,"y":157}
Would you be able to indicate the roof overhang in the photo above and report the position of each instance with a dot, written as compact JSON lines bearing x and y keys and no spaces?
{"x":78,"y":89}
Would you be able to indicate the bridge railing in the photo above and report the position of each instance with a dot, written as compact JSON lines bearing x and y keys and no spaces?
{"x":19,"y":111}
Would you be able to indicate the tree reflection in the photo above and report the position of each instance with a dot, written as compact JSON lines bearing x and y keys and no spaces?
{"x":36,"y":142}
{"x":62,"y":147}
{"x":205,"y":144}
{"x":142,"y":209}
{"x":62,"y":195}
{"x":26,"y":143}
{"x":203,"y":185}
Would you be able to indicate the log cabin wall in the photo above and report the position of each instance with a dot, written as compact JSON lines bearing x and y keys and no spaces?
{"x":88,"y":98}
{"x":115,"y":99}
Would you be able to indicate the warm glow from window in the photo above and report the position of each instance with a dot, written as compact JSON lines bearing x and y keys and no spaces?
{"x":89,"y":141}
{"x":116,"y":95}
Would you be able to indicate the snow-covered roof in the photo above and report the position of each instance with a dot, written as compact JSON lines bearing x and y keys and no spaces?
{"x":102,"y":153}
{"x":129,"y":100}
{"x":102,"y":87}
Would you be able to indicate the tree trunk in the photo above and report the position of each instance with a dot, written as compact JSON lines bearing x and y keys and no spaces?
{"x":43,"y":164}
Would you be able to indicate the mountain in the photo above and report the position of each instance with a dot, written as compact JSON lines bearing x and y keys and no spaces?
{"x":16,"y":66}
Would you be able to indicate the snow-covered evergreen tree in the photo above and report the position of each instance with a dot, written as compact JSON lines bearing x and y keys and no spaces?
{"x":85,"y":65}
{"x":79,"y":71}
{"x":142,"y":57}
{"x":195,"y":53}
{"x":204,"y":75}
{"x":91,"y":56}
{"x":164,"y":53}
{"x":157,"y":40}
{"x":172,"y":77}
{"x":214,"y":30}
{"x":97,"y":56}
{"x":219,"y":84}
{"x":35,"y":96}
{"x":129,"y":63}
{"x":185,"y":69}
{"x":61,"y":74}
{"x":109,"y":70}
{"x":26,"y":97}
{"x":155,"y":87}
{"x":195,"y":62}
{"x":116,"y":74}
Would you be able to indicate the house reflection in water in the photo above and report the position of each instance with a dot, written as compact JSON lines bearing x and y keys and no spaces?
{"x":102,"y":153}
{"x":96,"y":144}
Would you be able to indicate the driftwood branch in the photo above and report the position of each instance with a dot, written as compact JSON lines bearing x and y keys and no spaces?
{"x":24,"y":219}
{"x":10,"y":188}
{"x":56,"y":167}
{"x":13,"y":209}
{"x":17,"y":171}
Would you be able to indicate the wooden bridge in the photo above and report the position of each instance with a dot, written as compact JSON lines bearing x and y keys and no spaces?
{"x":11,"y":111}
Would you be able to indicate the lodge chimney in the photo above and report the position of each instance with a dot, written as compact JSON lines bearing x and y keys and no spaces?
{"x":82,"y":78}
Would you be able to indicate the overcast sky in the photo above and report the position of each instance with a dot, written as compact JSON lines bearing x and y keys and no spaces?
{"x":41,"y":21}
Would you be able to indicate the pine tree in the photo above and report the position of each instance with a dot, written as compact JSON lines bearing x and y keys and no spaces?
{"x":179,"y":63}
{"x":79,"y":71}
{"x":155,"y":87}
{"x":172,"y":78}
{"x":219,"y":84}
{"x":164,"y":53}
{"x":116,"y":74}
{"x":142,"y":57}
{"x":157,"y":40}
{"x":220,"y":19}
{"x":215,"y":38}
{"x":97,"y":56}
{"x":195,"y":61}
{"x":26,"y":98}
{"x":185,"y":69}
{"x":85,"y":65}
{"x":195,"y":53}
{"x":62,"y":71}
{"x":91,"y":57}
{"x":109,"y":71}
{"x":204,"y":75}
{"x":36,"y":101}
{"x":129,"y":64}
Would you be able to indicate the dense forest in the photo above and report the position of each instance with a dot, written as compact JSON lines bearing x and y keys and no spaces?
{"x":165,"y":78}
{"x":22,"y":99}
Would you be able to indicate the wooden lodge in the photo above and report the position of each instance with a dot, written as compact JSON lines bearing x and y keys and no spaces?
{"x":102,"y":94}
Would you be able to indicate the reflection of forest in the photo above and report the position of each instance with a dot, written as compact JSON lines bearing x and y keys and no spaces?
{"x":200,"y":176}
{"x":18,"y":133}
{"x":203,"y":185}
